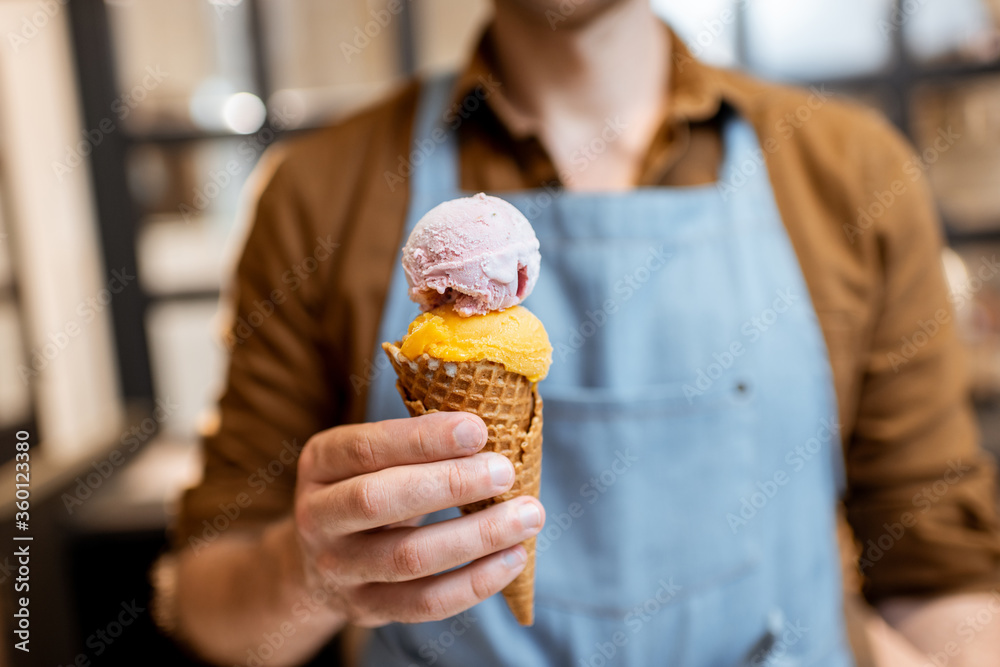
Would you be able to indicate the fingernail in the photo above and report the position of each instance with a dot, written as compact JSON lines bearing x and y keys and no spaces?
{"x":501,"y":471}
{"x":514,"y":558}
{"x":529,"y":515}
{"x":468,"y":435}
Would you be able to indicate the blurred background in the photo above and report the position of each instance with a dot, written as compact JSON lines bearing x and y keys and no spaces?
{"x":128,"y":129}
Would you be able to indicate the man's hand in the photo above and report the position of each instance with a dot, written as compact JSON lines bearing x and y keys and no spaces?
{"x":957,"y":629}
{"x":889,"y":647}
{"x":363,"y":488}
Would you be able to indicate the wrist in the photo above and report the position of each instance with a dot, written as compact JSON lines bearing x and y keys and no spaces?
{"x":309,"y":598}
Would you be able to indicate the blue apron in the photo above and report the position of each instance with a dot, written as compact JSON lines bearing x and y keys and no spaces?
{"x":691,"y":451}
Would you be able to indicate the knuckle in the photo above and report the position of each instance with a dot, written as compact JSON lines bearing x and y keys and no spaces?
{"x":427,"y":487}
{"x":304,"y":518}
{"x":307,"y":459}
{"x":481,"y":584}
{"x":330,"y":563}
{"x":353,"y":603}
{"x":407,"y":559}
{"x":491,"y":533}
{"x":370,"y":499}
{"x":429,"y":605}
{"x":458,"y":480}
{"x":421,"y":444}
{"x":362,"y":450}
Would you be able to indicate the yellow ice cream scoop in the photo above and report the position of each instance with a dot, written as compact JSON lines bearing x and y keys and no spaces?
{"x":513,"y":337}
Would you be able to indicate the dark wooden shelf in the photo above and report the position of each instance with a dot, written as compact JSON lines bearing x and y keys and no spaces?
{"x":192,"y":135}
{"x":914,"y":72}
{"x":956,"y":70}
{"x":181,"y":136}
{"x":186,"y":295}
{"x":961,"y":237}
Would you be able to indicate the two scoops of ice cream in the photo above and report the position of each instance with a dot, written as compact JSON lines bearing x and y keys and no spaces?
{"x":469,"y":263}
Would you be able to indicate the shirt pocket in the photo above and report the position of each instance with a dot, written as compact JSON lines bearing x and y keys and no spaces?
{"x":637,"y":486}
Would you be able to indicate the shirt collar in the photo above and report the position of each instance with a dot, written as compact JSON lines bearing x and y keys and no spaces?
{"x":694,"y":93}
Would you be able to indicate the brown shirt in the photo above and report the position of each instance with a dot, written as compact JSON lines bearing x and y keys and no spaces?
{"x":312,"y":281}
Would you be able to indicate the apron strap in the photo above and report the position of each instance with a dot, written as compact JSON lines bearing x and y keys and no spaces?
{"x":435,"y":170}
{"x":742,"y":157}
{"x":434,"y":156}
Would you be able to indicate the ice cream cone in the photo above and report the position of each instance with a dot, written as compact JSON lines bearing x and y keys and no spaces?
{"x":510,"y":406}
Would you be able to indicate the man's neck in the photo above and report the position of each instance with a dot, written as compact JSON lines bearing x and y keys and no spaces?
{"x":599,"y":82}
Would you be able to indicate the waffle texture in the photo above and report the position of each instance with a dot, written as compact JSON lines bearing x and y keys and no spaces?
{"x":512,"y":410}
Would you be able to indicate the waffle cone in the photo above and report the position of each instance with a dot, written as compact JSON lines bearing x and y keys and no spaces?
{"x":510,"y":406}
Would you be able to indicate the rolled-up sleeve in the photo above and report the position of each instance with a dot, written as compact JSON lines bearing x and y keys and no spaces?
{"x":921,"y":493}
{"x":277,"y":391}
{"x":302,"y":314}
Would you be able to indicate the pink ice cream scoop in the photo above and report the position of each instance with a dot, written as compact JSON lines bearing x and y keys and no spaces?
{"x":477,"y":252}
